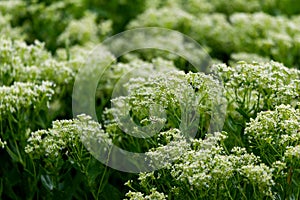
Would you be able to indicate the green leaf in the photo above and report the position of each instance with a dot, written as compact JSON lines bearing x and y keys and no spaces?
{"x":110,"y":192}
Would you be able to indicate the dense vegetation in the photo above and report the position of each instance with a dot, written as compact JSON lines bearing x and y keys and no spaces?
{"x":253,"y":85}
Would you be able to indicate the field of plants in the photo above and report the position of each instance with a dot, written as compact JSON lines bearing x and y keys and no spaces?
{"x":156,"y":126}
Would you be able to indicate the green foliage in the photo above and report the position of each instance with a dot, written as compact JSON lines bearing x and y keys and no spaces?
{"x":253,"y":88}
{"x":22,"y":107}
{"x":60,"y":149}
{"x":274,"y":136}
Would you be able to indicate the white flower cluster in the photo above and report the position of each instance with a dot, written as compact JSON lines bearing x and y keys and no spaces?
{"x":247,"y":57}
{"x":21,"y":62}
{"x":259,"y":86}
{"x":171,"y":96}
{"x":154,"y":195}
{"x":293,"y":153}
{"x":156,"y":40}
{"x":275,"y":133}
{"x":22,"y":96}
{"x":199,"y":7}
{"x":65,"y":137}
{"x":6,"y":29}
{"x":277,"y":35}
{"x":260,"y":176}
{"x":260,"y":33}
{"x":208,"y":166}
{"x":134,"y":68}
{"x":164,"y":17}
{"x":77,"y":56}
{"x":193,"y":6}
{"x":275,"y":136}
{"x":2,"y":143}
{"x":207,"y":170}
{"x":171,"y":145}
{"x":82,"y":31}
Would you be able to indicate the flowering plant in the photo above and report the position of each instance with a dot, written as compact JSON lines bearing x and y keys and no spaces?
{"x":229,"y":132}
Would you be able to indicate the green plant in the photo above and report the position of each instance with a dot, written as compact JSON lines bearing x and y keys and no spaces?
{"x":232,"y":133}
{"x":64,"y":159}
